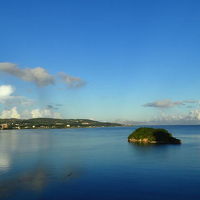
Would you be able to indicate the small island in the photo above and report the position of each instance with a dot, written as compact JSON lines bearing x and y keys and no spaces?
{"x":152,"y":136}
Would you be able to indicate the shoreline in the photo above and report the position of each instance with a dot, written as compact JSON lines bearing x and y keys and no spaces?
{"x":61,"y":128}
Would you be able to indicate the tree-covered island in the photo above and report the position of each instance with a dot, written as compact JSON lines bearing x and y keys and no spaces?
{"x":152,"y":136}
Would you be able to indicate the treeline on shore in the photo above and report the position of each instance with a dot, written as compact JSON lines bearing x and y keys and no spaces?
{"x":52,"y":123}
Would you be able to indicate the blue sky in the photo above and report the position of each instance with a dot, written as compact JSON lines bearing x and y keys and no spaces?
{"x":128,"y":53}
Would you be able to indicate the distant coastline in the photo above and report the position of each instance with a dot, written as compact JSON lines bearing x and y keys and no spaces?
{"x":52,"y":123}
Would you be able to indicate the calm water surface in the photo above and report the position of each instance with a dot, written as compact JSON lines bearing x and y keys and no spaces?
{"x":97,"y":164}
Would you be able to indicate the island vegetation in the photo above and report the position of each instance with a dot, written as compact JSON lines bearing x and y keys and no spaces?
{"x":146,"y":135}
{"x":51,"y":123}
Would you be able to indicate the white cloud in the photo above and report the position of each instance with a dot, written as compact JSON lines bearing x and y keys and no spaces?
{"x":10,"y":113}
{"x":70,"y":81}
{"x":37,"y":75}
{"x":5,"y":91}
{"x":7,"y":98}
{"x":49,"y":113}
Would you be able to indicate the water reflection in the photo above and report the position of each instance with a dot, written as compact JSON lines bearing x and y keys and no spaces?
{"x":36,"y":180}
{"x":31,"y":163}
{"x":154,"y":152}
{"x":4,"y":162}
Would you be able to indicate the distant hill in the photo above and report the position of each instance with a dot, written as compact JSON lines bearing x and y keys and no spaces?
{"x":54,"y":123}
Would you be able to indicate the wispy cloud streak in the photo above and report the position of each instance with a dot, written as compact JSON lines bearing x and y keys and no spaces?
{"x":70,"y":81}
{"x":167,"y":103}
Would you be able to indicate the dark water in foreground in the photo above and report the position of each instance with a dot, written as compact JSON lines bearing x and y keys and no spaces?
{"x":98,"y":164}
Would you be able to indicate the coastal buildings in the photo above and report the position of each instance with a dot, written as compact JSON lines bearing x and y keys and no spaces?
{"x":3,"y":126}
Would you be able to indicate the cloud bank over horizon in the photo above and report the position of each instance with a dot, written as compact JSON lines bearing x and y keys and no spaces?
{"x":28,"y":114}
{"x":10,"y":113}
{"x":190,"y":118}
{"x":167,"y":116}
{"x":21,"y":107}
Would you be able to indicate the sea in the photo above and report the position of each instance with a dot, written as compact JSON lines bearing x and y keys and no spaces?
{"x":98,"y":164}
